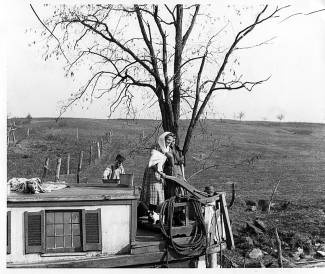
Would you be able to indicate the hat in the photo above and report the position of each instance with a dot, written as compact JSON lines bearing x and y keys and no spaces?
{"x":209,"y":189}
{"x":120,"y":158}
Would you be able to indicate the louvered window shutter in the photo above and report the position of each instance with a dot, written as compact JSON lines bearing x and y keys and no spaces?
{"x":8,"y":232}
{"x":34,"y":232}
{"x":91,"y":230}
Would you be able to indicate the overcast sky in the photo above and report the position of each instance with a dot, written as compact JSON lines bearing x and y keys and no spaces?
{"x":296,"y":61}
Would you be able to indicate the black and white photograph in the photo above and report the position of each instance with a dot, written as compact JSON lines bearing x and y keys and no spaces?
{"x":163,"y":135}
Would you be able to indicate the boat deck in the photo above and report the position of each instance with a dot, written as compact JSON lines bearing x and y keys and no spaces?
{"x":148,"y":240}
{"x":149,"y":250}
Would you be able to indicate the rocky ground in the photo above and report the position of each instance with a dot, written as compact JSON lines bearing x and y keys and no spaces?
{"x":300,"y":226}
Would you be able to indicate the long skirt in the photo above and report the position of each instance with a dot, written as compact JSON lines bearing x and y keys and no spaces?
{"x":172,"y":188}
{"x":152,"y":192}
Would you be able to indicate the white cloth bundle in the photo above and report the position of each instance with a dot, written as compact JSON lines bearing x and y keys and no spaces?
{"x":157,"y":157}
{"x":34,"y":185}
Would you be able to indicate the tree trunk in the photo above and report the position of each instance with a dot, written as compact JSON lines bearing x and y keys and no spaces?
{"x":188,"y":137}
{"x":167,"y":117}
{"x":177,"y":67}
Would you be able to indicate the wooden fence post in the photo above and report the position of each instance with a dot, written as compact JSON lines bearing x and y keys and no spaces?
{"x":279,"y":248}
{"x":79,"y":166}
{"x":272,"y":195}
{"x":68,"y":163}
{"x":58,"y":167}
{"x":45,"y":168}
{"x":143,"y":135}
{"x":27,"y":132}
{"x":13,"y":137}
{"x":90,"y":152}
{"x":110,"y":136}
{"x":101,"y":145}
{"x":77,"y":135}
{"x":224,"y":213}
{"x":98,"y":151}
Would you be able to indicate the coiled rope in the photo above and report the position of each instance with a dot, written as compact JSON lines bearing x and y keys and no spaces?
{"x":198,"y":241}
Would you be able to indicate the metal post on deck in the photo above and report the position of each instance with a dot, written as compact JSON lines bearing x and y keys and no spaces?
{"x":211,"y":256}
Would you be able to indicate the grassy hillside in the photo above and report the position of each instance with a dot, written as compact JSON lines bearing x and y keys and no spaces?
{"x":253,"y":154}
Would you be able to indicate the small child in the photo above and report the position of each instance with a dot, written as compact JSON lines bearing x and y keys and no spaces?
{"x":113,"y":171}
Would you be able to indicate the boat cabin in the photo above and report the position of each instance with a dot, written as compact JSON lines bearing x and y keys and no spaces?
{"x":89,"y":225}
{"x":78,"y":221}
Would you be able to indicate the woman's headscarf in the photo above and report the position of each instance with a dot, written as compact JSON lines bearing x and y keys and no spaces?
{"x":162,"y":142}
{"x":156,"y":156}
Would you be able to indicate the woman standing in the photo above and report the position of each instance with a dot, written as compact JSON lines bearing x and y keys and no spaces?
{"x":152,"y":193}
{"x":174,"y":167}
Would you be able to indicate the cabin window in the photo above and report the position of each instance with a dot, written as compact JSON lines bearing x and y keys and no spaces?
{"x":8,"y":232}
{"x":54,"y":231}
{"x":63,"y":231}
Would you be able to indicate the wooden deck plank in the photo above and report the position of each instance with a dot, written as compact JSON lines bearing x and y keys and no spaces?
{"x":107,"y":262}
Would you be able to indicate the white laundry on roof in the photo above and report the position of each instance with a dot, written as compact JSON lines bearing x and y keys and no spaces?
{"x":33,"y":185}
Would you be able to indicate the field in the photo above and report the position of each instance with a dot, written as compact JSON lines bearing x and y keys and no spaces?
{"x":254,"y":155}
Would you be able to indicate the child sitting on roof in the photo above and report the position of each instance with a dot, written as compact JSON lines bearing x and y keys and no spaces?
{"x":113,"y":171}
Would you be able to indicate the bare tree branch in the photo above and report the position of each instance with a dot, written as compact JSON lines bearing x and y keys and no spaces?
{"x":59,"y":44}
{"x":257,"y":45}
{"x":301,"y":13}
{"x":188,"y":32}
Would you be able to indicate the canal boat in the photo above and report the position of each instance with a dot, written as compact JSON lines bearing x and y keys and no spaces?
{"x":97,"y":226}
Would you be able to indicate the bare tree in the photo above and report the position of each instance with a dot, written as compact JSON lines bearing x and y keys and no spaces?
{"x":280,"y":117}
{"x":241,"y":115}
{"x":222,"y":117}
{"x":28,"y":118}
{"x":207,"y":161}
{"x":156,"y":57}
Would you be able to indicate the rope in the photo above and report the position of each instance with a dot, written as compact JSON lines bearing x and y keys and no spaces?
{"x":198,"y":242}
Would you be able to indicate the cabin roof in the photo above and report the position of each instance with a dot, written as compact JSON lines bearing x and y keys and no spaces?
{"x":78,"y":193}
